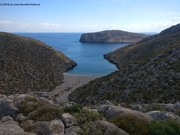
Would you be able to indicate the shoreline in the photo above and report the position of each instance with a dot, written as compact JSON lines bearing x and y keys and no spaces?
{"x":70,"y":83}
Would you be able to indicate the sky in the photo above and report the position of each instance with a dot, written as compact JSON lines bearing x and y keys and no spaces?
{"x":88,"y":15}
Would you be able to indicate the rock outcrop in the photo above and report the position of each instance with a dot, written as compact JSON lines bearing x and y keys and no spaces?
{"x":9,"y":127}
{"x":29,"y":65}
{"x":159,"y":115}
{"x":112,"y":36}
{"x":109,"y":128}
{"x":36,"y":115}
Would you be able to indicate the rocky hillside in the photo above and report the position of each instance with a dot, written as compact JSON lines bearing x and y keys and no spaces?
{"x":112,"y":36}
{"x":149,"y":72}
{"x":29,"y":65}
{"x":38,"y":113}
{"x":147,"y":48}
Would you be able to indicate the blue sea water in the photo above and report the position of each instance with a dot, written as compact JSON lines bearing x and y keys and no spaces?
{"x":88,"y":56}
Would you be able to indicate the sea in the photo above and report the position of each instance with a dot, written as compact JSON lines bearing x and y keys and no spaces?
{"x":88,"y":56}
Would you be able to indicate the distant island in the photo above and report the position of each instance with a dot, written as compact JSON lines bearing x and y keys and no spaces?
{"x":110,"y":36}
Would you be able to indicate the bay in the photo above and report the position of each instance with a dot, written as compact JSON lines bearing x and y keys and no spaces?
{"x":88,"y":56}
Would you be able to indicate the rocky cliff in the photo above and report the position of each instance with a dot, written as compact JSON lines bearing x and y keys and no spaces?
{"x":112,"y":36}
{"x":149,"y":73}
{"x":29,"y":65}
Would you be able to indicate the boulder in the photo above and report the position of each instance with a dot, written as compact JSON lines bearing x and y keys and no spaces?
{"x":114,"y":111}
{"x":20,"y":118}
{"x":107,"y":128}
{"x":46,"y":96}
{"x":7,"y":107}
{"x":2,"y":96}
{"x":68,"y":120}
{"x":103,"y":108}
{"x":54,"y":127}
{"x":72,"y":130}
{"x":158,"y":115}
{"x":9,"y":127}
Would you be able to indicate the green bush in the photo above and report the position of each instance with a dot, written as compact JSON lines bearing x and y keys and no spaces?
{"x":131,"y":124}
{"x":85,"y":118}
{"x":73,"y":109}
{"x":28,"y":105}
{"x":153,"y":108}
{"x":168,"y":127}
{"x":46,"y":113}
{"x":177,"y":112}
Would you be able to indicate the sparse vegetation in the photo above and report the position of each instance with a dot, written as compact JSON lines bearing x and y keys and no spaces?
{"x":46,"y":113}
{"x":38,"y":110}
{"x":131,"y":124}
{"x":73,"y":109}
{"x":85,"y":118}
{"x":28,"y":105}
{"x":168,"y":127}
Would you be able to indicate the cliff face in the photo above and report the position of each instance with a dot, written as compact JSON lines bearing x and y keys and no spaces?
{"x":29,"y":65}
{"x":149,"y":72}
{"x":112,"y":36}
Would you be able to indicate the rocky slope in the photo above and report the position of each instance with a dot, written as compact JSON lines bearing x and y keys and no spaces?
{"x":147,"y":48}
{"x":29,"y":65}
{"x":149,"y":72}
{"x":38,"y":113}
{"x":112,"y":36}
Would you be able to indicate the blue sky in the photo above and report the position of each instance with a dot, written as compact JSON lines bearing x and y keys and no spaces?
{"x":89,"y":15}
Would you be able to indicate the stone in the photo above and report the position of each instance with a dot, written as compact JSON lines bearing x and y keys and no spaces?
{"x":27,"y":125}
{"x":103,"y":108}
{"x":107,"y":128}
{"x":41,"y":128}
{"x":158,"y":115}
{"x":68,"y":120}
{"x":72,"y":130}
{"x":9,"y":127}
{"x":44,"y":96}
{"x":7,"y":108}
{"x":114,"y":111}
{"x":20,"y":118}
{"x":137,"y":107}
{"x":56,"y":127}
{"x":2,"y":96}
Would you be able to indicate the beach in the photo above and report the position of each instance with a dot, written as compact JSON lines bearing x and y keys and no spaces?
{"x":70,"y":83}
